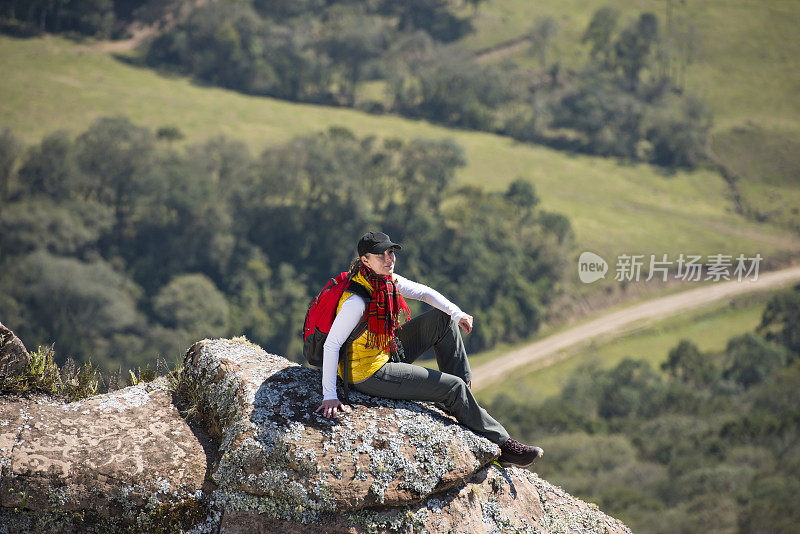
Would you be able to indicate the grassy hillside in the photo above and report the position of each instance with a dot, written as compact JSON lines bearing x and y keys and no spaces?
{"x":52,"y":83}
{"x":745,"y":64}
{"x":708,"y":328}
{"x":745,"y":59}
{"x":766,"y":166}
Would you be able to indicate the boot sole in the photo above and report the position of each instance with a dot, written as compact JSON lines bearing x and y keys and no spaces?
{"x":512,"y":464}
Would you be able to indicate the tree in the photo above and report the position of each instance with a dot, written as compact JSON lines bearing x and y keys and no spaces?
{"x":541,"y":36}
{"x":771,"y":505}
{"x":182,"y":223}
{"x":599,"y":33}
{"x":780,"y":321}
{"x":427,"y":168}
{"x":170,"y":133}
{"x":283,"y":9}
{"x":192,"y":304}
{"x":229,"y":44}
{"x":67,"y":228}
{"x":79,"y":305}
{"x":750,"y":359}
{"x":88,"y":17}
{"x":558,"y":225}
{"x":112,"y":155}
{"x":198,"y":224}
{"x":633,"y":47}
{"x":611,"y":120}
{"x":318,"y":190}
{"x":229,"y":166}
{"x":456,"y":90}
{"x":351,"y":42}
{"x":253,"y":301}
{"x":500,"y":262}
{"x":292,"y":300}
{"x":403,"y":62}
{"x":688,"y":364}
{"x":628,"y":389}
{"x":677,"y":132}
{"x":432,"y":16}
{"x":10,"y":150}
{"x":522,"y":194}
{"x":295,"y":70}
{"x":50,"y":168}
{"x":780,"y":398}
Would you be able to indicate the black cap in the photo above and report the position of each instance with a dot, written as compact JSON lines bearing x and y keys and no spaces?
{"x":375,"y":243}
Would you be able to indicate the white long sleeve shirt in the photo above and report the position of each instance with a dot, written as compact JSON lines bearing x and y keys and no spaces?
{"x":350,"y":314}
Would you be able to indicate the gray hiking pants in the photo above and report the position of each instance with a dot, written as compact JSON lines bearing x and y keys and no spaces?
{"x":404,"y":381}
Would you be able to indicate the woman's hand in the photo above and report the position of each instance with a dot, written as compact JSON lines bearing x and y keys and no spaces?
{"x":330,"y":407}
{"x":466,"y":323}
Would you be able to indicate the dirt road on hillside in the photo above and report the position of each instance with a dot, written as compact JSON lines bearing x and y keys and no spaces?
{"x":545,"y":351}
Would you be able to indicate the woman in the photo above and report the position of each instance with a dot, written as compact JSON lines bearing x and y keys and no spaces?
{"x":372,"y":370}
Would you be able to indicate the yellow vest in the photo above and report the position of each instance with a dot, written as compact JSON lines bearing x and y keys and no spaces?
{"x":364,"y":362}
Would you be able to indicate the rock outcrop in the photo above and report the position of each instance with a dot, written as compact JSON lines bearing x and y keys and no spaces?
{"x":126,"y":458}
{"x":14,"y":357}
{"x":384,"y":452}
{"x":260,"y":460}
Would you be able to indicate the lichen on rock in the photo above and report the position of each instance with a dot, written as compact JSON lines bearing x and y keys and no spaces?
{"x":387,"y":466}
{"x":123,"y":455}
{"x":14,"y":357}
{"x":273,"y":445}
{"x":254,"y":457}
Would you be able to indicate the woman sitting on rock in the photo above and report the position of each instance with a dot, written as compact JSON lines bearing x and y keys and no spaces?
{"x":372,"y":369}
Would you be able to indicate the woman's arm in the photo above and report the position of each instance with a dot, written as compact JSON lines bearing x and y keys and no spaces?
{"x":428,"y":295}
{"x":343,"y":324}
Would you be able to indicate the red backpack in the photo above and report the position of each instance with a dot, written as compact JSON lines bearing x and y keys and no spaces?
{"x":320,"y":316}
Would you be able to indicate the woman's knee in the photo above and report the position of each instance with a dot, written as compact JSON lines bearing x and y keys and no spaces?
{"x":443,"y":317}
{"x":446,"y":324}
{"x":457,"y":390}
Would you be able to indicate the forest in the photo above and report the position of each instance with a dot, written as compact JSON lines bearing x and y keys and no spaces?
{"x":120,"y":248}
{"x":707,"y":443}
{"x":625,"y":101}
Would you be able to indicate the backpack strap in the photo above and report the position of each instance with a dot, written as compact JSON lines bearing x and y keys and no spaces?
{"x":363,"y":292}
{"x":359,"y":290}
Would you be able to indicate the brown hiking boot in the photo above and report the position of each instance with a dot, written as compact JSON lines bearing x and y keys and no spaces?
{"x":514,"y":453}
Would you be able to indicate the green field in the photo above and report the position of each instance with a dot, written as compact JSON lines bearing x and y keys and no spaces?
{"x":52,"y":83}
{"x":744,"y":62}
{"x":709,"y":328}
{"x":745,"y":58}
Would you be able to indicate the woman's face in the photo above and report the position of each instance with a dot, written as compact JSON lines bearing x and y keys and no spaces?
{"x":382,"y":264}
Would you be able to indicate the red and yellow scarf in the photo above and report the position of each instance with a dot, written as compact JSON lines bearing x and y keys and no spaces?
{"x":383,"y":310}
